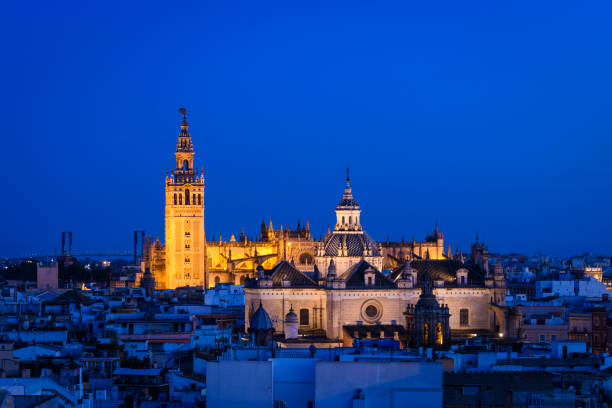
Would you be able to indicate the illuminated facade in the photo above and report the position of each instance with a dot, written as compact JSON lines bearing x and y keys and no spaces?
{"x":185,"y":251}
{"x":348,"y":293}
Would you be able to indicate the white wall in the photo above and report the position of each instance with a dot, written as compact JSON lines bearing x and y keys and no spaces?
{"x":239,"y":384}
{"x":294,"y":381}
{"x":384,"y":384}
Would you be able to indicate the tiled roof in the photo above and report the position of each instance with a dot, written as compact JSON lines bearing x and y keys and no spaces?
{"x":260,"y":319}
{"x":284,"y":270}
{"x":356,"y":244}
{"x":348,"y":202}
{"x":445,"y":269}
{"x":354,"y":278}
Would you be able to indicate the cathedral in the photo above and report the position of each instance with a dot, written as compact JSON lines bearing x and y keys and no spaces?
{"x":341,"y":286}
{"x":187,"y":258}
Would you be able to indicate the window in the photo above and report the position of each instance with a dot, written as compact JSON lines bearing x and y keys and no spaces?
{"x":193,"y":199}
{"x":439,"y":334}
{"x":464,"y":317}
{"x":343,"y":222}
{"x":174,"y":198}
{"x":187,"y":233}
{"x":304,"y":317}
{"x":186,"y":259}
{"x":306,"y":259}
{"x":185,"y":165}
{"x":553,"y":337}
{"x":217,"y":280}
{"x":350,"y":220}
{"x":186,"y":246}
{"x":371,"y":311}
{"x":187,"y":197}
{"x":425,"y":333}
{"x":542,"y":338}
{"x":181,"y":199}
{"x":199,"y":199}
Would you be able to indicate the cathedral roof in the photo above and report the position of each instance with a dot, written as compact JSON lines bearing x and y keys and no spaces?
{"x":445,"y":269}
{"x":356,"y":244}
{"x":260,"y":319}
{"x":355,"y":279}
{"x":285,"y":271}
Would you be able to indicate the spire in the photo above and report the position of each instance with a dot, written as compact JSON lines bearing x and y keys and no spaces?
{"x":449,"y":253}
{"x":347,"y":198}
{"x":299,"y":225}
{"x":307,"y":225}
{"x":184,"y":152}
{"x":270,"y":228}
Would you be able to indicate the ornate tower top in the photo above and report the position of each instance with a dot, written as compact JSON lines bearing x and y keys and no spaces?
{"x":184,"y":144}
{"x":184,"y":171}
{"x":347,"y":210}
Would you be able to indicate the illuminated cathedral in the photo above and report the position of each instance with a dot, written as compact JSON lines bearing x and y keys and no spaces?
{"x":188,"y":259}
{"x":338,"y":284}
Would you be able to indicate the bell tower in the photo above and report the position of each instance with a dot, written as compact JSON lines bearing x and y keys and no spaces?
{"x":185,"y":236}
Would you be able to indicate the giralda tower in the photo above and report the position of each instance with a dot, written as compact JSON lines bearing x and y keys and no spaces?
{"x":185,"y":237}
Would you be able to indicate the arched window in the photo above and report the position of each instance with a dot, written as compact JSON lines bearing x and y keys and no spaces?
{"x":343,"y":222}
{"x":217,"y":280}
{"x":350,"y":220}
{"x":181,"y":199}
{"x":306,"y":259}
{"x":174,"y":198}
{"x":304,"y":317}
{"x":193,"y":199}
{"x":439,"y":334}
{"x":187,"y":197}
{"x":185,"y":165}
{"x":425,"y":333}
{"x":199,"y":199}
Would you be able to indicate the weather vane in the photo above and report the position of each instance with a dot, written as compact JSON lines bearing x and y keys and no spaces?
{"x":183,"y":112}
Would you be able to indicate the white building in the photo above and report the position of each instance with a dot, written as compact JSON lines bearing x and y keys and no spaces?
{"x":304,"y":382}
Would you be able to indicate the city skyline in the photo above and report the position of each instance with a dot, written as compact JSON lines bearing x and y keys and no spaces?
{"x":505,"y":135}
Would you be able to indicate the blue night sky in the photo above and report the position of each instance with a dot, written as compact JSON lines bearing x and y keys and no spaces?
{"x":489,"y":117}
